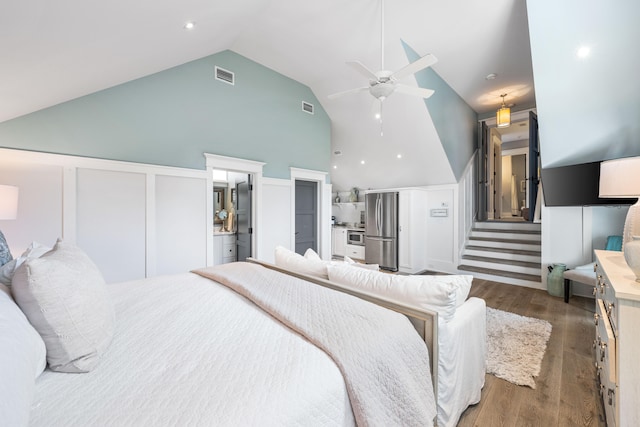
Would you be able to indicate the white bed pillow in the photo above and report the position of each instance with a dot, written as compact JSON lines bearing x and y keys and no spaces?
{"x":35,"y":250}
{"x":423,"y":292}
{"x":65,"y":298}
{"x":23,"y":357}
{"x":290,"y":260}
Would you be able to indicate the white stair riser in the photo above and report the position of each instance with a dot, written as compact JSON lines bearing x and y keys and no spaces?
{"x":503,"y":255}
{"x":512,"y":236}
{"x":504,"y":267}
{"x":528,"y":226}
{"x":504,"y":245}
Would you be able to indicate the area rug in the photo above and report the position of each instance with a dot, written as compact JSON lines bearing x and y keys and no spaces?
{"x":515,"y":346}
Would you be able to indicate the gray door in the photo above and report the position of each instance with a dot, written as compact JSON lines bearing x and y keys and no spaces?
{"x":243,"y":218}
{"x":534,"y":153}
{"x":306,"y":216}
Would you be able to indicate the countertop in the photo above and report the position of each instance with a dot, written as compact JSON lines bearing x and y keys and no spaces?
{"x":348,"y":227}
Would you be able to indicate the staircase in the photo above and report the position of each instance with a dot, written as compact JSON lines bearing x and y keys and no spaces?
{"x":507,"y":252}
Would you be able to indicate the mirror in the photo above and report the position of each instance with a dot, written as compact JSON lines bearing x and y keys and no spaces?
{"x":219,"y":196}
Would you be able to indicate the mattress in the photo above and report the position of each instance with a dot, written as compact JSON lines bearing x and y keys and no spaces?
{"x":180,"y":356}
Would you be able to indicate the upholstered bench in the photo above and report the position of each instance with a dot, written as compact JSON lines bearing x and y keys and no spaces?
{"x":586,"y":273}
{"x":583,"y":274}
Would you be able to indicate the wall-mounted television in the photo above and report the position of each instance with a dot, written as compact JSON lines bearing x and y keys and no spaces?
{"x":575,"y":185}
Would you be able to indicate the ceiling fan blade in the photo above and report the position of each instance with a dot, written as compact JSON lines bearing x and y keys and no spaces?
{"x":339,"y":94}
{"x":417,"y":91}
{"x":414,"y":67}
{"x":362,"y":70}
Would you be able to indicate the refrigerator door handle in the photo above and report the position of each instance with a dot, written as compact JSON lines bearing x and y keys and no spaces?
{"x":380,"y":239}
{"x":379,"y":214}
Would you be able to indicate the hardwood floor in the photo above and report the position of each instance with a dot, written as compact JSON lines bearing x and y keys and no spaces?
{"x":566,"y":392}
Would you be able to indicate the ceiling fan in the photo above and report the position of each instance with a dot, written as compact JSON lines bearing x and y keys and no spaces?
{"x":384,"y":82}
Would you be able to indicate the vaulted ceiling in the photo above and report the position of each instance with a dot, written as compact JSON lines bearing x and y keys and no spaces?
{"x":52,"y":52}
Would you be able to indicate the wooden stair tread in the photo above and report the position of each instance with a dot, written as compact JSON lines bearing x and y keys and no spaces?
{"x":502,"y":261}
{"x":489,"y":239}
{"x":506,"y":231}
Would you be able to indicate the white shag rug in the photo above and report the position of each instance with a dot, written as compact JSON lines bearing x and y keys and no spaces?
{"x":515,"y":346}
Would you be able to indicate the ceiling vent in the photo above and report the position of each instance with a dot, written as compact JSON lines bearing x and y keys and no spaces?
{"x":307,"y":107}
{"x":225,"y":75}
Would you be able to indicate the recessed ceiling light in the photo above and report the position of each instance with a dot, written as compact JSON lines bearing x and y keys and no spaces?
{"x":491,"y":76}
{"x":583,"y":51}
{"x":362,"y":162}
{"x":335,"y":166}
{"x":399,"y":156}
{"x":377,"y":116}
{"x":190,"y":25}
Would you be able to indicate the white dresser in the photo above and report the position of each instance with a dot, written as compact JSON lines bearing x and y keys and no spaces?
{"x":617,"y":343}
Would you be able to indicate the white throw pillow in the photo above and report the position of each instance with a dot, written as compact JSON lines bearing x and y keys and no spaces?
{"x":23,"y":357}
{"x":425,"y":292}
{"x":295,"y":262}
{"x":349,"y":261}
{"x":65,"y":298}
{"x":35,"y":250}
{"x":312,"y":255}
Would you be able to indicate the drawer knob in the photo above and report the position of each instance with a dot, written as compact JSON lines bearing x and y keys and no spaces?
{"x":595,"y":291}
{"x":610,"y":393}
{"x":596,"y":317}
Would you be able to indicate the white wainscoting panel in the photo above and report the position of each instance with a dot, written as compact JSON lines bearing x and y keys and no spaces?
{"x":39,"y":204}
{"x":110,"y":222}
{"x":276,"y":214}
{"x":180,"y":224}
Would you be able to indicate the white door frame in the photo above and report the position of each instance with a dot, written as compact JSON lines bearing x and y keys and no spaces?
{"x":233,"y":164}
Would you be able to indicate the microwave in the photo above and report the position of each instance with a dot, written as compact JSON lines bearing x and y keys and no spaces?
{"x":355,"y":237}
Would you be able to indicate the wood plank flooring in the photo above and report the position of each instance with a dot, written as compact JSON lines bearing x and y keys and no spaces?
{"x":566,"y":390}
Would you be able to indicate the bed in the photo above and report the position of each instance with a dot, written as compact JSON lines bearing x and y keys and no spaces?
{"x":217,"y":347}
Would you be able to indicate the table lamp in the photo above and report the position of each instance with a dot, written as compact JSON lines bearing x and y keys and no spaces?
{"x":620,"y":178}
{"x":8,"y":210}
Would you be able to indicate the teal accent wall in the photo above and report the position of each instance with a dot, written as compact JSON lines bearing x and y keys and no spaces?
{"x":172,"y":117}
{"x":455,"y":121}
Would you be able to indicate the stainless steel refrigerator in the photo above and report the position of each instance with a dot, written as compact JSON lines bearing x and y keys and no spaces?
{"x":381,"y":230}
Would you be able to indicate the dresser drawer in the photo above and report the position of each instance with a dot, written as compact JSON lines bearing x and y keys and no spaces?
{"x":605,"y":292}
{"x":605,"y":344}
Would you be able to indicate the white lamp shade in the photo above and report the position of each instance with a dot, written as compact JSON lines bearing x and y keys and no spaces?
{"x":620,"y":178}
{"x":8,"y":202}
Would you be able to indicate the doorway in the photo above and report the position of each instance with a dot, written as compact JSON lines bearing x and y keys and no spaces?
{"x":306,"y":216}
{"x":508,"y":169}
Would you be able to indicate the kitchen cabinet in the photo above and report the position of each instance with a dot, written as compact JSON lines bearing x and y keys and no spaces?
{"x":339,"y":241}
{"x":355,"y":252}
{"x":412,"y":230}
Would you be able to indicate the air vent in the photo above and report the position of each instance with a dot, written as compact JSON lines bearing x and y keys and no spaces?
{"x":225,"y":75}
{"x":307,"y":108}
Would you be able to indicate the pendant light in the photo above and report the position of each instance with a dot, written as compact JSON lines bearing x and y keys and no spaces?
{"x":503,"y":116}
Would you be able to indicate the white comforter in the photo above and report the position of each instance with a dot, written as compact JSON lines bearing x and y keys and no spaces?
{"x":184,"y":353}
{"x":383,"y":360}
{"x":181,"y":356}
